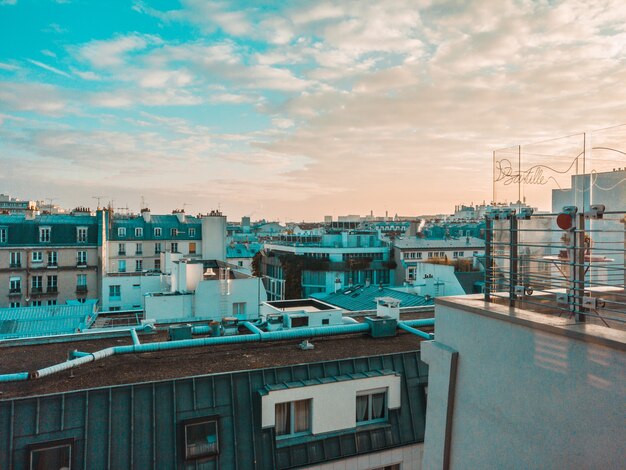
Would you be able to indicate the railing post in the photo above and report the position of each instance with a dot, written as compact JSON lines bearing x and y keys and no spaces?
{"x":513,"y":259}
{"x":488,"y":257}
{"x":576,"y":289}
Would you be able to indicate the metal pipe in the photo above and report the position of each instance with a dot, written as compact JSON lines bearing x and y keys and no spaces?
{"x":258,"y":335}
{"x":14,"y":377}
{"x":415,"y":331}
{"x":133,"y":334}
{"x":200,"y":330}
{"x":74,"y":354}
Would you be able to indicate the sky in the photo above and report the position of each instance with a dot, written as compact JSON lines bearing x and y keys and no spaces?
{"x":294,"y":110}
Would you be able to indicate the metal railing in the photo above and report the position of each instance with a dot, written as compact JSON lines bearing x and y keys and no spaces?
{"x":578,"y":272}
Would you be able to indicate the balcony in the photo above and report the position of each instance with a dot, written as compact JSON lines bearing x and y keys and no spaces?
{"x":15,"y":265}
{"x":15,"y":292}
{"x":52,"y":290}
{"x":52,"y":265}
{"x":81,"y":289}
{"x":36,"y":291}
{"x":576,"y":272}
{"x":139,"y":252}
{"x":121,"y":253}
{"x":81,"y":264}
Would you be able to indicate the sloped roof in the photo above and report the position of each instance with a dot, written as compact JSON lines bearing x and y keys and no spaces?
{"x":43,"y":321}
{"x":364,"y":298}
{"x":439,"y":243}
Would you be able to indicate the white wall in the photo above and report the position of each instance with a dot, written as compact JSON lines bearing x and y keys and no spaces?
{"x":132,"y":289}
{"x":334,"y":404}
{"x":169,"y":307}
{"x":409,"y":457}
{"x":207,"y":301}
{"x":532,"y":391}
{"x":214,"y":237}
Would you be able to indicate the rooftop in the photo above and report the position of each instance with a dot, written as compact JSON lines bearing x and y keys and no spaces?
{"x":179,"y":363}
{"x":364,"y":298}
{"x":43,"y":321}
{"x":425,"y":243}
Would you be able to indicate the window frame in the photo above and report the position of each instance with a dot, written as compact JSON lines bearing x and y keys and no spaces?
{"x":121,"y":232}
{"x":4,"y":235}
{"x":158,"y":232}
{"x":369,"y":394}
{"x":192,"y":232}
{"x":82,"y":234}
{"x":292,"y":419}
{"x":49,"y":445}
{"x":138,"y":232}
{"x":81,"y":258}
{"x":15,"y":259}
{"x":53,"y":259}
{"x":121,"y":265}
{"x":115,"y":288}
{"x":45,"y":234}
{"x":138,"y":265}
{"x":195,"y":422}
{"x":38,"y":258}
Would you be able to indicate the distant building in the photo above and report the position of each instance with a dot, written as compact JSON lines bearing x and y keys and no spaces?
{"x":296,"y":267}
{"x":364,"y":297}
{"x":13,"y":205}
{"x":50,"y":259}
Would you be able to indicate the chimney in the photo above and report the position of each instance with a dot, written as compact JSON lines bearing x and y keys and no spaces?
{"x":30,"y":214}
{"x":337,"y":285}
{"x":180,"y":215}
{"x":412,"y":231}
{"x":145,"y":213}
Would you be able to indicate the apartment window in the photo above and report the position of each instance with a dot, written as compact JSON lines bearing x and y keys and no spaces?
{"x":121,"y":249}
{"x":52,"y":285}
{"x":3,"y":234}
{"x":81,"y":280}
{"x":81,"y":258}
{"x":52,"y":302}
{"x":44,"y":234}
{"x":173,"y":232}
{"x":121,"y":231}
{"x":36,"y":284}
{"x":139,"y":249}
{"x":53,"y":258}
{"x":121,"y":266}
{"x":115,"y":292}
{"x":157,"y":248}
{"x":15,"y":285}
{"x":430,"y":254}
{"x":174,"y":247}
{"x":15,"y":259}
{"x":138,"y":265}
{"x":455,"y":254}
{"x":418,"y":255}
{"x":81,"y":234}
{"x":35,"y":303}
{"x":15,"y":305}
{"x":157,"y":264}
{"x":201,"y":438}
{"x":461,"y":254}
{"x":36,"y":256}
{"x":51,"y":455}
{"x":293,"y":418}
{"x":371,"y":406}
{"x":157,"y":232}
{"x":394,"y":466}
{"x":115,"y":309}
{"x":192,"y":248}
{"x":138,"y":232}
{"x":239,"y":308}
{"x":192,"y":232}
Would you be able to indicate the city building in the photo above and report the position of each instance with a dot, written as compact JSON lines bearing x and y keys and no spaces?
{"x":296,"y":267}
{"x":51,"y":259}
{"x":360,"y":297}
{"x":355,"y":396}
{"x":12,"y":205}
{"x":241,"y":254}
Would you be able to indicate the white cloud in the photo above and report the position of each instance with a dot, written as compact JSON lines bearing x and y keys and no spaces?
{"x":39,"y":98}
{"x":49,"y":68}
{"x":112,"y":53}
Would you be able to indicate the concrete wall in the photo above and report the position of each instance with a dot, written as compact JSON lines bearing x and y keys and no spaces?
{"x":214,"y":237}
{"x":530,"y":390}
{"x":132,"y":290}
{"x":169,"y":307}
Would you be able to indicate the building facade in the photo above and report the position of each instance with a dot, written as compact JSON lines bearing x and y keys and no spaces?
{"x":50,"y":259}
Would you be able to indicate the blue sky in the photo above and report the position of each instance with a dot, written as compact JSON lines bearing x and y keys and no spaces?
{"x":294,"y":110}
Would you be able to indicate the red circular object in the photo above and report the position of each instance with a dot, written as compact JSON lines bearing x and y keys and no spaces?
{"x":564,"y":221}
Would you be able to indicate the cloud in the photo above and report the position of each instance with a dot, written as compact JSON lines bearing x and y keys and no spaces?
{"x":49,"y":68}
{"x":35,"y":97}
{"x":102,"y":54}
{"x":8,"y":67}
{"x":8,"y":2}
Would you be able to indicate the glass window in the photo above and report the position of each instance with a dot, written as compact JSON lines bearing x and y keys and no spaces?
{"x":15,"y":259}
{"x":81,"y":280}
{"x":53,"y":258}
{"x":239,"y":308}
{"x":121,"y":248}
{"x":201,"y":438}
{"x":121,"y":266}
{"x":52,"y":302}
{"x":192,"y":248}
{"x":52,"y":284}
{"x":15,"y":285}
{"x":3,"y":234}
{"x":114,"y":292}
{"x":44,"y":234}
{"x":36,"y":283}
{"x":36,"y":256}
{"x":371,"y":406}
{"x":56,"y":455}
{"x":157,"y":248}
{"x":15,"y":305}
{"x":138,"y":232}
{"x":174,"y":247}
{"x":121,"y":231}
{"x":293,"y":418}
{"x":157,"y":231}
{"x":81,"y":234}
{"x":139,"y":249}
{"x":138,"y":265}
{"x":157,"y":264}
{"x":81,"y":258}
{"x":192,"y":232}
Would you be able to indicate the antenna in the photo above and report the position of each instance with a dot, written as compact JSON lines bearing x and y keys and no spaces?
{"x":143,"y":203}
{"x":97,"y":198}
{"x":185,"y":204}
{"x":50,"y":199}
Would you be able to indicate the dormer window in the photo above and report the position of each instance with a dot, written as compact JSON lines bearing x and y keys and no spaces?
{"x":81,"y":234}
{"x":157,"y":232}
{"x":45,"y":234}
{"x":121,"y":231}
{"x":138,"y":232}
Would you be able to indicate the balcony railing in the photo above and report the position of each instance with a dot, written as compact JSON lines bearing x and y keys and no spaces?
{"x":36,"y":290}
{"x":81,"y":289}
{"x":15,"y":265}
{"x":81,"y":264}
{"x":53,"y":265}
{"x":578,"y":272}
{"x":15,"y":291}
{"x":52,"y":290}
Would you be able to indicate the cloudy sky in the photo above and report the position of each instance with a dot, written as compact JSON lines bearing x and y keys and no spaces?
{"x":294,"y":110}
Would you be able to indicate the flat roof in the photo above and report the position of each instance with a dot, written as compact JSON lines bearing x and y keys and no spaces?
{"x":179,"y":363}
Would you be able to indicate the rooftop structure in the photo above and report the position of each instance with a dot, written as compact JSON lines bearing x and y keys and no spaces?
{"x":44,"y":321}
{"x":362,"y":297}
